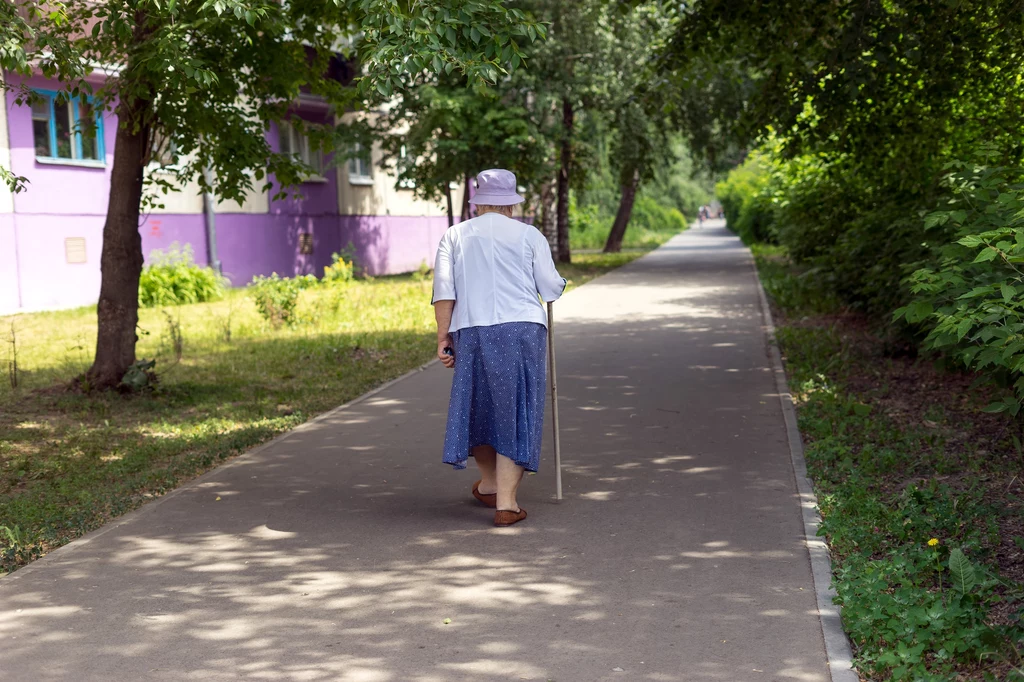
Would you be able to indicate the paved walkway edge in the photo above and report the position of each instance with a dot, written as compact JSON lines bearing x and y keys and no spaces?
{"x":837,"y":645}
{"x":43,"y":562}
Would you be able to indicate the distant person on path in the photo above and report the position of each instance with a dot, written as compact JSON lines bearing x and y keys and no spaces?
{"x":702,"y":215}
{"x":492,"y":329}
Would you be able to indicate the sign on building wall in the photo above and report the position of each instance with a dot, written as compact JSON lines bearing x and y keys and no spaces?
{"x":74,"y":250}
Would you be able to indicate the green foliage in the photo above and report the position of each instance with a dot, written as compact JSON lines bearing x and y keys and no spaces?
{"x":747,"y":205}
{"x":480,"y":38}
{"x":206,"y":57}
{"x":276,"y":297}
{"x":899,"y":86}
{"x":651,"y":216}
{"x":16,"y":546}
{"x":173,"y":278}
{"x":914,"y":611}
{"x":140,"y":376}
{"x":857,"y":109}
{"x":795,"y":290}
{"x":971,"y":302}
{"x":651,"y":224}
{"x":437,"y":135}
{"x":962,"y":572}
{"x":674,"y":187}
{"x":828,"y":215}
{"x":423,"y":273}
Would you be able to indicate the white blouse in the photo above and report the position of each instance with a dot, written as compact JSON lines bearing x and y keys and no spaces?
{"x":494,"y":268}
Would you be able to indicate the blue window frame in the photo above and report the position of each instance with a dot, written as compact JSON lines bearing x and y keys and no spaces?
{"x":70,"y":130}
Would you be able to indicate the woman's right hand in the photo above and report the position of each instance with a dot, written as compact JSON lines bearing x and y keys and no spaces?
{"x":446,"y":353}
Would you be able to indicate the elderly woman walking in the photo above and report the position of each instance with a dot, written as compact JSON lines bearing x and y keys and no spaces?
{"x":489,"y":278}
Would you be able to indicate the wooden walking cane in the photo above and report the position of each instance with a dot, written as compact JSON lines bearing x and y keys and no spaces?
{"x":553,"y":377}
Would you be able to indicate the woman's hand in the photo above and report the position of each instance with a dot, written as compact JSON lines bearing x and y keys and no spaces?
{"x":446,"y":352}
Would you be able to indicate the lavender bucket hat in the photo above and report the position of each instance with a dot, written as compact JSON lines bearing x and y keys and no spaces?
{"x":496,"y":187}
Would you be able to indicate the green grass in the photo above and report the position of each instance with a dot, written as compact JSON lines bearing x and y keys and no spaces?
{"x":70,"y":462}
{"x":893,"y":471}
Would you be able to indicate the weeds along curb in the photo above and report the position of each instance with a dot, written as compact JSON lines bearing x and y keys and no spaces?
{"x":149,"y":507}
{"x":837,"y":647}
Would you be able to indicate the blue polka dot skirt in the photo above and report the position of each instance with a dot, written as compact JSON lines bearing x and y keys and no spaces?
{"x":498,"y":393}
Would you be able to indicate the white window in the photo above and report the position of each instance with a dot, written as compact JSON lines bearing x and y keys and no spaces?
{"x":164,"y":154}
{"x":295,"y":143}
{"x":360,"y":170}
{"x":405,"y":184}
{"x":69,"y":130}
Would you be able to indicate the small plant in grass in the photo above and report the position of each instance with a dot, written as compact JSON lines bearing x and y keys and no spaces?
{"x":224,"y":322}
{"x":276,"y":297}
{"x":174,"y":337}
{"x":15,"y":547}
{"x":422,"y":273}
{"x":173,"y":278}
{"x":341,"y":270}
{"x":12,"y":360}
{"x":139,"y":377}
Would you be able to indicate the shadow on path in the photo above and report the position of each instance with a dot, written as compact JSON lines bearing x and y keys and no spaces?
{"x":338,"y":552}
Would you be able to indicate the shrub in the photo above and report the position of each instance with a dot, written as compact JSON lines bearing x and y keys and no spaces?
{"x":747,"y":205}
{"x":341,"y":269}
{"x":652,"y":216}
{"x":650,"y":221}
{"x":852,"y":235}
{"x":588,"y":225}
{"x":276,"y":297}
{"x":972,"y":302}
{"x":173,"y":278}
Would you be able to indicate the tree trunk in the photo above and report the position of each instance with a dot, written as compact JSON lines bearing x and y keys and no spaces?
{"x":121,"y":257}
{"x":448,"y":196}
{"x":564,"y":254}
{"x":465,"y":197}
{"x":614,"y":243}
{"x":548,"y":220}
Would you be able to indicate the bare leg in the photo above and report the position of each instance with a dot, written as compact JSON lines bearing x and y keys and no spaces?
{"x":485,"y":456}
{"x":510,"y":475}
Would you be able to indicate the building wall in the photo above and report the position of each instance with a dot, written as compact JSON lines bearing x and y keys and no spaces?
{"x":382,"y":198}
{"x":389,"y":229}
{"x":10,"y":286}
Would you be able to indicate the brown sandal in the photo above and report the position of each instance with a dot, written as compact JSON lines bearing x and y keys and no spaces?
{"x":507,"y":517}
{"x":490,"y":500}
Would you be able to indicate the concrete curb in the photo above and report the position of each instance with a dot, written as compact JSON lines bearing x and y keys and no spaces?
{"x":838,"y":653}
{"x":43,"y":563}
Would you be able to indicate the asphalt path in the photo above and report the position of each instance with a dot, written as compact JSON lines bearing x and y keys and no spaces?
{"x":347,"y":551}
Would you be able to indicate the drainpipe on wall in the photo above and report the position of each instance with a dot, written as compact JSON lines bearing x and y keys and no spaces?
{"x":6,"y":161}
{"x":210,"y":220}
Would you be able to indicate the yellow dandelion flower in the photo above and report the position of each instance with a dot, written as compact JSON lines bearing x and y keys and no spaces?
{"x":933,"y":542}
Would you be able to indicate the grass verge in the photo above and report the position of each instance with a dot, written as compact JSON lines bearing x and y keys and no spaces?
{"x":919,"y":492}
{"x":71,"y":462}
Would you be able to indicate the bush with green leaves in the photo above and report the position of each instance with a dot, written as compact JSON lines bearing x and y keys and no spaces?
{"x":341,"y":269}
{"x":173,"y":278}
{"x":971,"y":302}
{"x":649,"y":215}
{"x":851,"y":235}
{"x":276,"y":297}
{"x":650,"y":221}
{"x":747,"y":205}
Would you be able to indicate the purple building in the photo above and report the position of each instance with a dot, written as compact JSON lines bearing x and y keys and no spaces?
{"x":51,"y":234}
